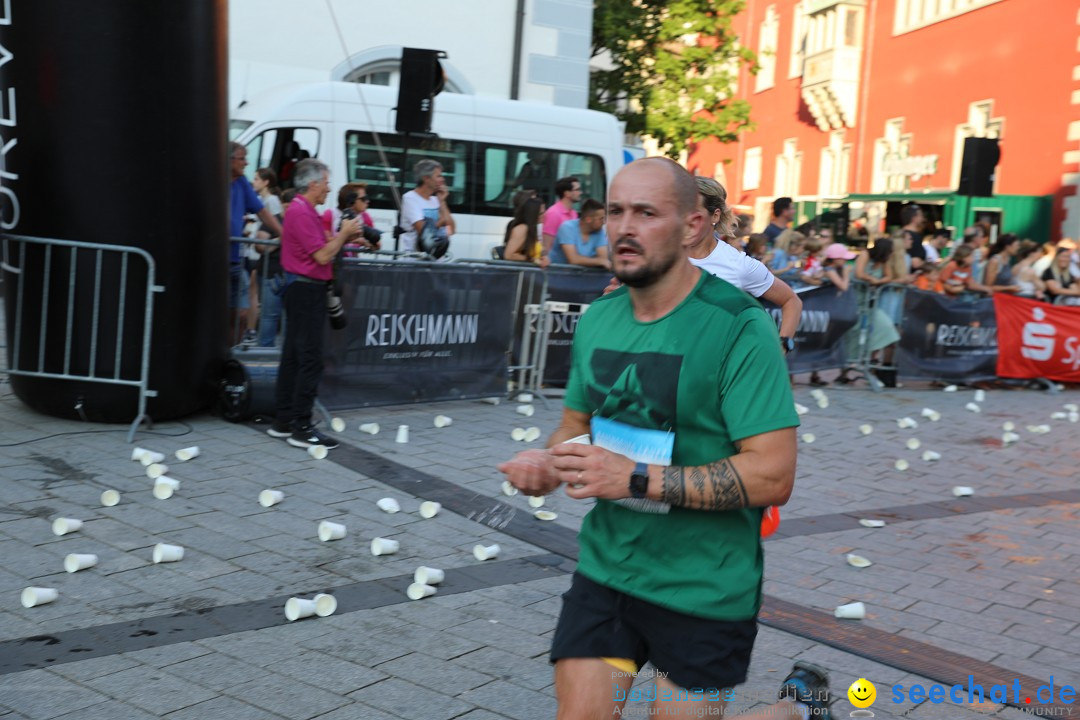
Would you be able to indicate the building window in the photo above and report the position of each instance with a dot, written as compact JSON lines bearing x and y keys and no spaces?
{"x":980,"y":123}
{"x":835,"y":161}
{"x":894,"y":166}
{"x":751,"y":176}
{"x":767,"y":34}
{"x":799,"y":35}
{"x":788,"y":170}
{"x":915,"y":14}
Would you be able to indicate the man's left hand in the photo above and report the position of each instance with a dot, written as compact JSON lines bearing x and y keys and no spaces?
{"x":590,"y":471}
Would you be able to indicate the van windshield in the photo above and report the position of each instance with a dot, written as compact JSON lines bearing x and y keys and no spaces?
{"x":238,"y":126}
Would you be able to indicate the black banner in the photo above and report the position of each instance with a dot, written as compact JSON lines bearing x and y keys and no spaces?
{"x":947,"y":338}
{"x":418,"y":333}
{"x":826,"y":315}
{"x":573,"y":286}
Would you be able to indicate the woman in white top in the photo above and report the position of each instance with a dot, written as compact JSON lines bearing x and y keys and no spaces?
{"x":713,"y":254}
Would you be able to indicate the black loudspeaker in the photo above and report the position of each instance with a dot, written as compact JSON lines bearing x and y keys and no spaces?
{"x":981,"y":157}
{"x":421,"y":80}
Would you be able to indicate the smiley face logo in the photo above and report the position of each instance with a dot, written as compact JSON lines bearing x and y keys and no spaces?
{"x":862,"y":693}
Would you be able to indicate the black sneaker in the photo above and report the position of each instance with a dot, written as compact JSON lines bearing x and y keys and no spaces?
{"x":278,"y":430}
{"x":808,"y":684}
{"x":309,"y":436}
{"x":250,"y":338}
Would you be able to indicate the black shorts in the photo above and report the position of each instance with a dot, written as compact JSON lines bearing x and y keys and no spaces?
{"x":692,"y":652}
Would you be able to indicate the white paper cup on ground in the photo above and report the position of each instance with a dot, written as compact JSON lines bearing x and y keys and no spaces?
{"x":164,"y":553}
{"x":156,"y":470}
{"x":384,"y":546}
{"x":418,"y":591}
{"x":149,"y":457}
{"x":331,"y":531}
{"x":536,"y":501}
{"x":442,"y":421}
{"x":80,"y":561}
{"x":388,"y":505}
{"x":931,"y":456}
{"x":1071,"y":407}
{"x":546,"y":515}
{"x":963,"y":491}
{"x":318,"y":452}
{"x":490,"y":401}
{"x":980,"y":396}
{"x":851,"y":611}
{"x":269,"y":498}
{"x":370,"y":428}
{"x":808,"y":438}
{"x":973,"y":407}
{"x":508,"y":489}
{"x":907,"y":423}
{"x":429,"y":509}
{"x":428,"y":576}
{"x":526,"y":410}
{"x":298,"y":608}
{"x":518,"y":434}
{"x":867,"y":522}
{"x":1008,"y":426}
{"x":137,"y":453}
{"x":901,"y":464}
{"x":866,"y":429}
{"x":34,"y":596}
{"x":525,"y":398}
{"x":950,"y":388}
{"x":402,"y":434}
{"x":1008,"y":438}
{"x":325,"y":604}
{"x":531,"y":434}
{"x":337,"y":425}
{"x":857,"y":561}
{"x":1059,"y":415}
{"x":489,"y":552}
{"x":1074,"y":416}
{"x":188,"y":453}
{"x":63,"y":526}
{"x":913,"y":444}
{"x":165,"y":487}
{"x":110,"y":498}
{"x":801,"y":409}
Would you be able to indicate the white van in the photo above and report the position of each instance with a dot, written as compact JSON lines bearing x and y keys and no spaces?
{"x":481,"y":142}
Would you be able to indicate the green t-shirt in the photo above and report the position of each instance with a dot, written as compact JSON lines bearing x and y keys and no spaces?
{"x":709,"y":373}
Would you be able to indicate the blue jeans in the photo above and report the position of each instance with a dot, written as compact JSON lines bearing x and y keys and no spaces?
{"x":269,"y":311}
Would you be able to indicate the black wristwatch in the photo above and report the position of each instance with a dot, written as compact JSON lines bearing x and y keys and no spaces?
{"x":787,"y":343}
{"x":639,"y":481}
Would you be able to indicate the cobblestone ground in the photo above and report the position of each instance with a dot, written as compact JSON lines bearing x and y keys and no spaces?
{"x":993,"y":582}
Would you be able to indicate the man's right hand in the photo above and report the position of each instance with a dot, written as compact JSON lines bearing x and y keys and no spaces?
{"x":532,"y":472}
{"x":350,"y":227}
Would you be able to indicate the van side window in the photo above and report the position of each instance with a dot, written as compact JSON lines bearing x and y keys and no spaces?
{"x":280,"y":149}
{"x":365,"y":165}
{"x":508,"y":169}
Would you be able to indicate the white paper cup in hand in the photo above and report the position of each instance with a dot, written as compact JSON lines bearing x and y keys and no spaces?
{"x":156,"y":470}
{"x":851,"y":611}
{"x":402,"y":434}
{"x":384,"y":546}
{"x":526,"y":410}
{"x":417,"y":591}
{"x":79,"y":561}
{"x":34,"y":596}
{"x":337,"y":425}
{"x":269,"y":498}
{"x":165,"y":487}
{"x":331,"y":531}
{"x":298,"y":608}
{"x":482,"y":553}
{"x":325,"y":604}
{"x":149,"y":457}
{"x":370,"y":428}
{"x":429,"y":509}
{"x":164,"y":553}
{"x":63,"y":526}
{"x":188,"y":453}
{"x":428,"y":576}
{"x":319,"y":452}
{"x":388,"y":505}
{"x":442,"y":421}
{"x":110,"y":498}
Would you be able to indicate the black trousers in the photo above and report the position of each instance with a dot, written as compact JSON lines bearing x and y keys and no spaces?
{"x":301,"y":353}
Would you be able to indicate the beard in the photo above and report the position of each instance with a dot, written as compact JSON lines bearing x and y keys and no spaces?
{"x":646,"y":275}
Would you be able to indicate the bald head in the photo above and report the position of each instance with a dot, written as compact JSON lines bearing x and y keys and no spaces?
{"x":678,"y":180}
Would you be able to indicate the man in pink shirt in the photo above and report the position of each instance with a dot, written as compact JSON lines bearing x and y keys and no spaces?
{"x":568,"y":192}
{"x":307,"y":250}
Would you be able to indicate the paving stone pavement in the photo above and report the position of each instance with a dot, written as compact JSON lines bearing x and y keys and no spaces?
{"x":995,"y":585}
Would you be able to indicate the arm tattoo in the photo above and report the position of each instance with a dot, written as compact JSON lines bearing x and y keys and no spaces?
{"x":716,"y":486}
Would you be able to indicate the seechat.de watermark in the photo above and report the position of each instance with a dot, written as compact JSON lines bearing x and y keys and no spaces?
{"x":974,"y":692}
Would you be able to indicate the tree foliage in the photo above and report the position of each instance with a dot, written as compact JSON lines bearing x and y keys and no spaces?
{"x":675,"y":68}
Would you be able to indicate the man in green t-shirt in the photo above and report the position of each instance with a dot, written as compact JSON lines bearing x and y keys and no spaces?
{"x":684,"y":430}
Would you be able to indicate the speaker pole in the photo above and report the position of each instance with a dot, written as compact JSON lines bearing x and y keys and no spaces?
{"x":401,"y":189}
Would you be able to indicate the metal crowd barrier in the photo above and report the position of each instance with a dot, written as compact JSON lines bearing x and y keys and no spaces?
{"x":98,"y":254}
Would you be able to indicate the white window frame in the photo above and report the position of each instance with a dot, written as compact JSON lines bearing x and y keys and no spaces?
{"x":768,"y":34}
{"x":916,"y":14}
{"x":981,"y":123}
{"x":800,"y":38}
{"x":751,"y":179}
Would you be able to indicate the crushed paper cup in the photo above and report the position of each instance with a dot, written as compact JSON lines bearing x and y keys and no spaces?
{"x":518,"y":434}
{"x":63,"y":526}
{"x":428,"y":575}
{"x":866,"y":429}
{"x":156,"y":470}
{"x":536,"y":501}
{"x":907,"y":423}
{"x":913,"y":444}
{"x":980,"y":395}
{"x":384,"y":546}
{"x":851,"y":611}
{"x":901,"y":464}
{"x":165,"y":487}
{"x":34,"y":596}
{"x":808,"y":438}
{"x":508,"y":489}
{"x":164,"y":553}
{"x":389,"y":505}
{"x":544,"y":515}
{"x":857,"y":561}
{"x":950,"y":388}
{"x":801,"y":409}
{"x":429,"y":509}
{"x":269,"y":498}
{"x":489,"y":552}
{"x":149,"y":457}
{"x":110,"y":498}
{"x":973,"y":407}
{"x":329,"y":531}
{"x":402,"y":434}
{"x":418,"y":591}
{"x":867,"y":522}
{"x":442,"y":421}
{"x":298,"y":609}
{"x":325,"y":604}
{"x":370,"y":428}
{"x":532,"y":434}
{"x":75,"y":562}
{"x":526,"y":410}
{"x":1008,"y":426}
{"x":963,"y":491}
{"x":318,"y":452}
{"x":931,"y":456}
{"x":188,"y":453}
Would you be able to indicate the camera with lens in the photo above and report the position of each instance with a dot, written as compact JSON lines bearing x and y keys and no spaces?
{"x":335,"y":311}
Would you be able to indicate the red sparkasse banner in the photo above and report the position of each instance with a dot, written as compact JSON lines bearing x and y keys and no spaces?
{"x":1036,"y":340}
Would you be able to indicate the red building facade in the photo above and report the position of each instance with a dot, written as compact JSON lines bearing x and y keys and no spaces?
{"x":872,"y":99}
